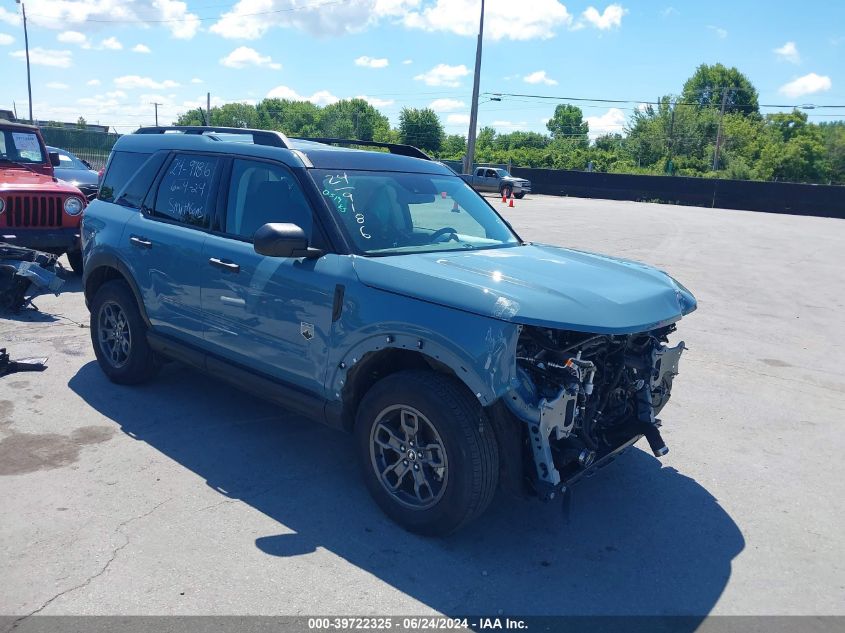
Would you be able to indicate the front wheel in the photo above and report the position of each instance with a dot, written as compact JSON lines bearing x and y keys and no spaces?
{"x":519,"y":196}
{"x":119,"y":336}
{"x":507,"y":191}
{"x":428,"y":454}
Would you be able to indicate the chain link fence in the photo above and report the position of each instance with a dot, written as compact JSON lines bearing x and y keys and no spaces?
{"x":88,"y":145}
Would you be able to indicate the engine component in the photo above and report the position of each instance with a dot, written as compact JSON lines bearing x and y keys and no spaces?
{"x":585,"y":395}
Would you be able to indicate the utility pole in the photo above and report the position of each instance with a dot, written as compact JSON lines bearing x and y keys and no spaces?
{"x":156,"y":106}
{"x":208,"y":108}
{"x":473,"y":115}
{"x":670,"y":165}
{"x":26,"y":43}
{"x":719,"y":133}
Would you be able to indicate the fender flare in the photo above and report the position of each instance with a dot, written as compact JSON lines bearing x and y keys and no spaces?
{"x":97,"y":262}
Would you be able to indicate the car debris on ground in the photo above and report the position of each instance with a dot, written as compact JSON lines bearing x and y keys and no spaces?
{"x":26,"y":273}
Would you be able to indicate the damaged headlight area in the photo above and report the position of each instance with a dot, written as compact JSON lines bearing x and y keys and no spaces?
{"x":586,"y":396}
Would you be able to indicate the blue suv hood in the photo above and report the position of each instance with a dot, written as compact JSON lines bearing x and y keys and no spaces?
{"x":536,"y":285}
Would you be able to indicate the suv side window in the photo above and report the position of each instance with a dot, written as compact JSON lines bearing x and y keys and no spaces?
{"x":262,"y":192}
{"x":122,"y":166}
{"x":185,"y":193}
{"x":133,"y":194}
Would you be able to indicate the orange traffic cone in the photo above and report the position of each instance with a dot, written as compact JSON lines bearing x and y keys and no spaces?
{"x":504,"y":197}
{"x":511,"y":203}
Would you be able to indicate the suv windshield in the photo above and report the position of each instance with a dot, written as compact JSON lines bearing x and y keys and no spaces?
{"x":392,"y":212}
{"x":21,"y":147}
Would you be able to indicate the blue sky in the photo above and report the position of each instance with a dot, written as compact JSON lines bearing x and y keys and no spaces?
{"x":108,"y":60}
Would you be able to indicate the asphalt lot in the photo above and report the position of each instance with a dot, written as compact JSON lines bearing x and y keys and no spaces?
{"x":185,"y":496}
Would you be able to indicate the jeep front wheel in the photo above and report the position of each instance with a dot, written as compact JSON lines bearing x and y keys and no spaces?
{"x":74,"y":258}
{"x":428,"y":453}
{"x":118,"y":334}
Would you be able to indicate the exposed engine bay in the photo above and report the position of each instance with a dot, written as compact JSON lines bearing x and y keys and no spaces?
{"x":584,"y":396}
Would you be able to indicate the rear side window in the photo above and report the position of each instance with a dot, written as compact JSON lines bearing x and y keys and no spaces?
{"x":134,"y":193}
{"x":122,"y":167}
{"x":185,"y":194}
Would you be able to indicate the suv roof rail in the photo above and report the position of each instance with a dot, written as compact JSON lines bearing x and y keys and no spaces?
{"x":393,"y":148}
{"x":259,"y":137}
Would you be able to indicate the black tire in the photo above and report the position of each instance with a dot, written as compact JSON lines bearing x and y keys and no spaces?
{"x":507,"y":191}
{"x":74,"y":258}
{"x":470,"y":461}
{"x":519,"y":196}
{"x":114,"y":311}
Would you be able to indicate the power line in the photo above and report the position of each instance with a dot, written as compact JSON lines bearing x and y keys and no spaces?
{"x":645,"y":102}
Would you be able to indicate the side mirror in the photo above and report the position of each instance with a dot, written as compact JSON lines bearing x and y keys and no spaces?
{"x":86,"y":163}
{"x":54,"y":159}
{"x":283,"y":240}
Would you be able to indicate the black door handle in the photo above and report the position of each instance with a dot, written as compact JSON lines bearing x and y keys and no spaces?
{"x":142,"y":242}
{"x":225,"y":264}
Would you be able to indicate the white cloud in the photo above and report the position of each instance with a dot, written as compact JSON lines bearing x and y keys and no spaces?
{"x":84,"y":14}
{"x":93,"y":82}
{"x":321,"y":97}
{"x":530,"y":19}
{"x":446,"y":105}
{"x":9,"y":17}
{"x":196,"y":80}
{"x":321,"y":19}
{"x":408,"y":61}
{"x":57,"y":85}
{"x":371,"y":62}
{"x":669,"y":12}
{"x":111,"y":44}
{"x":610,"y":18}
{"x":788,"y":53}
{"x":44,"y":57}
{"x":806,"y":85}
{"x":183,"y":25}
{"x":376,"y":102}
{"x":720,"y":32}
{"x":539,"y":77}
{"x":133,"y":82}
{"x":141,"y":48}
{"x":72,"y":37}
{"x":444,"y":75}
{"x":5,"y":40}
{"x":611,"y":121}
{"x":244,"y":56}
{"x":457,"y":119}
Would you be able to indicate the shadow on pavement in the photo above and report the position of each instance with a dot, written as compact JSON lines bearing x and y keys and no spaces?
{"x":642,"y":539}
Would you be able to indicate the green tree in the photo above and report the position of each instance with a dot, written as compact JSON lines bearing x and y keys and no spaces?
{"x":568,"y":122}
{"x":293,"y":118}
{"x":707,"y":85}
{"x":81,"y":123}
{"x":454,"y":147}
{"x":422,"y":128}
{"x":353,"y":119}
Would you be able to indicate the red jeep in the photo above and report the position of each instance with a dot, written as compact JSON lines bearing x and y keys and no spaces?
{"x":36,"y":210}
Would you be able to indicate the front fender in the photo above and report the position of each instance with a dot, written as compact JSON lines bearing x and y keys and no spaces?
{"x":480,"y":351}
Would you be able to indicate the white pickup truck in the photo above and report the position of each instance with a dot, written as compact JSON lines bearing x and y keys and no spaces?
{"x":498,"y":180}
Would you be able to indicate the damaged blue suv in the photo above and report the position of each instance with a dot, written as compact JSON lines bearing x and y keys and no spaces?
{"x":375,"y":291}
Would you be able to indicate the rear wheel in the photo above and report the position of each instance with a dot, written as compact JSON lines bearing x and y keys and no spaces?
{"x":118,"y":334}
{"x":427,"y":451}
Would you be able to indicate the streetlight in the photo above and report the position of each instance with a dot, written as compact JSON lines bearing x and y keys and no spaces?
{"x":26,"y":42}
